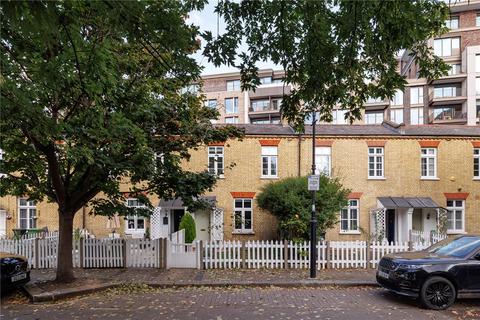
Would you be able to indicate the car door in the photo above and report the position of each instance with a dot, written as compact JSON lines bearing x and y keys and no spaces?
{"x":474,"y":272}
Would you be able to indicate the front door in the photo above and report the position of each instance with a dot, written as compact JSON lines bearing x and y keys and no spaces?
{"x":390,"y":225}
{"x":202,"y":225}
{"x":177,"y":215}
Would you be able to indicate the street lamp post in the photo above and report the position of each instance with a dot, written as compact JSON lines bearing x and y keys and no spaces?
{"x":313,"y":218}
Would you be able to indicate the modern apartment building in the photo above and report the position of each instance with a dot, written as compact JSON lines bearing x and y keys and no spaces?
{"x":452,"y":99}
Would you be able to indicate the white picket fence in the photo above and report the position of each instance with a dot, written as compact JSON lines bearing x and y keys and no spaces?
{"x":281,"y":254}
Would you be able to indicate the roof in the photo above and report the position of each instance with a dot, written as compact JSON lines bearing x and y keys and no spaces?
{"x":407,"y":202}
{"x":385,"y":129}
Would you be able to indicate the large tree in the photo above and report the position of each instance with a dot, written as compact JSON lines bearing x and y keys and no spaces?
{"x":91,"y":97}
{"x":334,"y":52}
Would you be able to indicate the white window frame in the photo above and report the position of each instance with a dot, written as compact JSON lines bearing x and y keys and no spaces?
{"x":444,"y":47}
{"x":476,"y":163}
{"x":353,"y":206}
{"x":397,"y":98}
{"x":453,"y":208}
{"x":396,"y":115}
{"x":233,"y":85}
{"x":31,"y":213}
{"x":323,"y":155}
{"x":241,"y":211}
{"x":234,"y":105}
{"x":429,"y":156}
{"x":416,"y":95}
{"x":376,"y":157}
{"x":135,"y":219}
{"x":270,"y":158}
{"x":417,"y":114}
{"x":210,"y":103}
{"x":216,"y":153}
{"x":234,"y":120}
{"x":449,"y":25}
{"x":338,"y":116}
{"x":374,"y":117}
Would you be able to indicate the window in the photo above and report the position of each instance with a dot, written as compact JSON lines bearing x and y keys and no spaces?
{"x":477,"y":86}
{"x":215,"y":160}
{"x":233,"y":85}
{"x":243,"y":215}
{"x":416,"y":95}
{"x":265,"y":80}
{"x":477,"y":63}
{"x":416,"y":116}
{"x":446,"y":113}
{"x":266,"y":120}
{"x":135,"y":223}
{"x":374,"y":100}
{"x":452,"y":23}
{"x":429,"y":162}
{"x":478,"y":110}
{"x":338,"y":117}
{"x":277,"y":81}
{"x":323,"y":160}
{"x":397,"y":98}
{"x":211,"y":103}
{"x":455,"y":69}
{"x":190,"y":89}
{"x":260,"y":105}
{"x":375,"y":162}
{"x":396,"y":115}
{"x":27,"y":214}
{"x":477,"y":20}
{"x":455,"y":214}
{"x":476,"y":163}
{"x":269,"y":162}
{"x":446,"y":47}
{"x":231,"y":119}
{"x":231,"y":105}
{"x":446,"y":92}
{"x":373,"y":117}
{"x":349,"y":217}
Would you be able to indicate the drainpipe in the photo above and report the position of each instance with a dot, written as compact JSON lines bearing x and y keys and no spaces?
{"x":84,"y":218}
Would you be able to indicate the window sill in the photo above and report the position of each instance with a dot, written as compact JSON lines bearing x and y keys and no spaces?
{"x":376,"y":178}
{"x":476,"y":179}
{"x":453,"y":232}
{"x":244,"y":232}
{"x":350,"y":232}
{"x":429,"y":179}
{"x":269,"y":177}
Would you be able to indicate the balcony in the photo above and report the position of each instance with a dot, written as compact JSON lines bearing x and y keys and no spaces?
{"x":269,"y":90}
{"x":447,"y":115}
{"x":376,"y":104}
{"x":265,"y":106}
{"x":443,"y":95}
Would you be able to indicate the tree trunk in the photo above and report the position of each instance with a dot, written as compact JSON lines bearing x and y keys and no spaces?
{"x":64,"y":259}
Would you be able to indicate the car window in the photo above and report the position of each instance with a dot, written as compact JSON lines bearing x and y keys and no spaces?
{"x":459,"y":247}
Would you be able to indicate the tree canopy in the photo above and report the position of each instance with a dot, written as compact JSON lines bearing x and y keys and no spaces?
{"x":91,"y":97}
{"x":334,"y":52}
{"x":290,"y":201}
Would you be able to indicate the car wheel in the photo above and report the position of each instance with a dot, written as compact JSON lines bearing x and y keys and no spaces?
{"x":437,"y":293}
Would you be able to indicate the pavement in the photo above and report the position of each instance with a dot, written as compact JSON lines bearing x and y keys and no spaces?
{"x":143,"y":302}
{"x":44,"y":288}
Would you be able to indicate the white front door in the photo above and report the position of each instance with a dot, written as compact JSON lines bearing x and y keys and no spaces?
{"x":3,"y":223}
{"x":202,"y":225}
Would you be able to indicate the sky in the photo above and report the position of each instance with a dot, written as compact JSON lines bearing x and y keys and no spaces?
{"x":207,"y":21}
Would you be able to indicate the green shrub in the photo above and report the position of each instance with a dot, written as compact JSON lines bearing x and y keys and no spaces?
{"x":188,"y":224}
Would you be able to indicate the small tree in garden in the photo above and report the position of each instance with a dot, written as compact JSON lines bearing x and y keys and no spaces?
{"x":291,"y":202}
{"x":188,"y":224}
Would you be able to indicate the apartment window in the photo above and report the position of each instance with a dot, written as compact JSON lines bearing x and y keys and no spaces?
{"x":446,"y":92}
{"x":269,"y":162}
{"x":397,"y":98}
{"x":135,"y":223}
{"x":416,"y":95}
{"x":476,"y":163}
{"x":265,"y":80}
{"x":452,"y":23}
{"x":446,"y":47}
{"x":455,"y":69}
{"x":373,"y":117}
{"x":455,"y":215}
{"x":210,"y":103}
{"x":266,"y":120}
{"x":323,"y":160}
{"x":429,"y":163}
{"x":478,"y":110}
{"x":416,"y":116}
{"x":27,"y":214}
{"x":338,"y":116}
{"x":375,"y":162}
{"x":243,"y":215}
{"x":396,"y":115}
{"x":260,"y":105}
{"x":477,"y":20}
{"x":215,"y":160}
{"x":277,"y":81}
{"x":446,"y":113}
{"x":349,"y":217}
{"x":231,"y":120}
{"x":231,"y":105}
{"x":233,"y":85}
{"x":191,"y":89}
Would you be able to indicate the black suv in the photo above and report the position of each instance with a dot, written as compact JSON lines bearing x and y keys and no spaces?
{"x":437,"y":275}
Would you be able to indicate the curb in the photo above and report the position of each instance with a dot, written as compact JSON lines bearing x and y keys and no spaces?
{"x":36,"y":294}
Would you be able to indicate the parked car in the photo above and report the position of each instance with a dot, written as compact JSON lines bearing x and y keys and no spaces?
{"x":438,"y":275}
{"x":14,"y":271}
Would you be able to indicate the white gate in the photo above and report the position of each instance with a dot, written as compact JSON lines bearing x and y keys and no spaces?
{"x":183,"y":255}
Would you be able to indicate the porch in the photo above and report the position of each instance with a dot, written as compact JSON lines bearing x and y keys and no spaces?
{"x":416,"y":219}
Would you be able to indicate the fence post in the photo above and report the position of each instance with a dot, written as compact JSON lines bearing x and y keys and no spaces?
{"x":410,"y":245}
{"x":124,"y":252}
{"x":368,"y":254}
{"x":244,"y":259}
{"x":410,"y":235}
{"x":327,"y":254}
{"x":82,"y":253}
{"x":285,"y":253}
{"x":36,"y":253}
{"x":201,"y":265}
